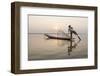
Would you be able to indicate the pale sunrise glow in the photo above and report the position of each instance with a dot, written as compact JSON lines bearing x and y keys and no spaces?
{"x":52,"y":24}
{"x":56,"y":28}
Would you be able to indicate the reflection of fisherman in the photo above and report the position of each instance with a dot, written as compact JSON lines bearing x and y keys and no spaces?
{"x":72,"y":46}
{"x":72,"y":31}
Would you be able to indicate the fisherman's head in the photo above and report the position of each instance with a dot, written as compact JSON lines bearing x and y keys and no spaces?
{"x":69,"y":26}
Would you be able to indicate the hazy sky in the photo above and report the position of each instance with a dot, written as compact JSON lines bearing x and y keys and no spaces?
{"x":52,"y":24}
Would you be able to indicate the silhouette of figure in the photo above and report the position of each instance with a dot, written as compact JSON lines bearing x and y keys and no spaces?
{"x":72,"y":31}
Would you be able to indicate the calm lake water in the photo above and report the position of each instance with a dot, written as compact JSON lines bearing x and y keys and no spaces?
{"x":42,"y":48}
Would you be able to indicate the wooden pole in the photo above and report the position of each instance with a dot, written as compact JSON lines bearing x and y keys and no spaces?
{"x":71,"y":35}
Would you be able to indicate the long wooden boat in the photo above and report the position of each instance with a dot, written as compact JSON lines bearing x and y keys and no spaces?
{"x":60,"y":38}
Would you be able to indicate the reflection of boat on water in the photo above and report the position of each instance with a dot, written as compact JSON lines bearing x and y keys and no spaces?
{"x":66,"y":36}
{"x":71,"y":45}
{"x":59,"y":38}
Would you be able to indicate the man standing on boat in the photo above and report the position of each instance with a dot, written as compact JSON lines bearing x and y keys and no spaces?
{"x":72,"y":31}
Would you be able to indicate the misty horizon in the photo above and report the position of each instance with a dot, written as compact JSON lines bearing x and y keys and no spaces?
{"x":54,"y":24}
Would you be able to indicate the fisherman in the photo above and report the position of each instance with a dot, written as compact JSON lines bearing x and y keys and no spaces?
{"x":72,"y":31}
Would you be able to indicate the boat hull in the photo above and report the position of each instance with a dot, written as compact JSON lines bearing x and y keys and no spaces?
{"x":59,"y":38}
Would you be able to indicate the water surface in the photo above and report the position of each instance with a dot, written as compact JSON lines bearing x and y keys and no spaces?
{"x":42,"y":48}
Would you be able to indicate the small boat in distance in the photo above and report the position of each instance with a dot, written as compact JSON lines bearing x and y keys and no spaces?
{"x":59,"y":38}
